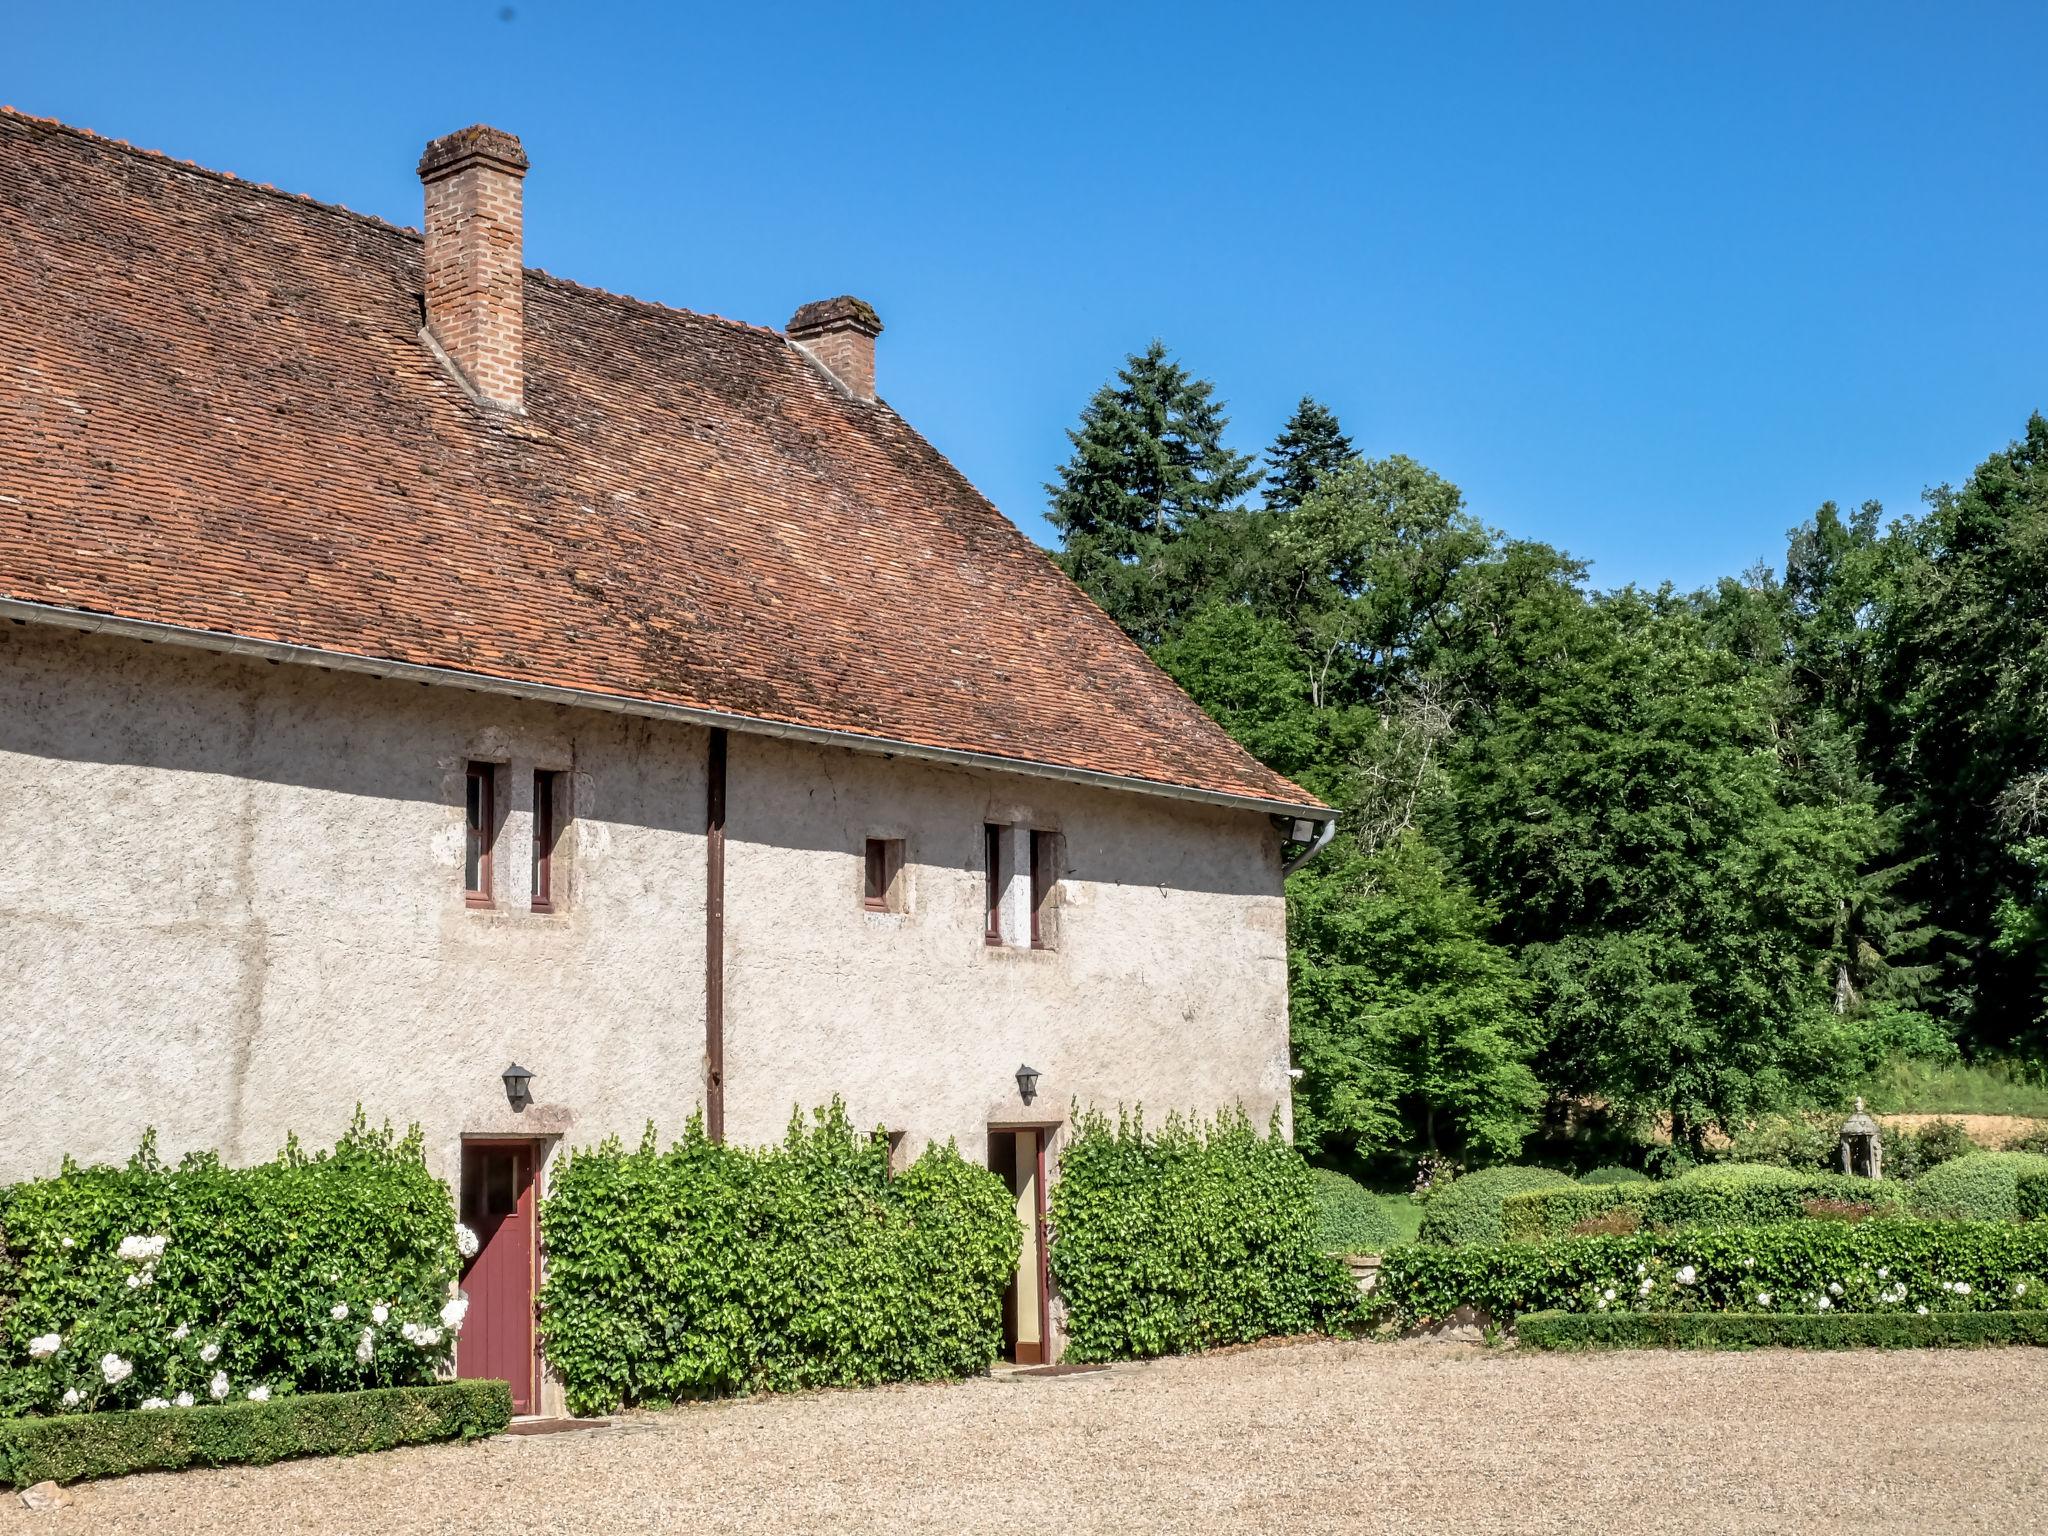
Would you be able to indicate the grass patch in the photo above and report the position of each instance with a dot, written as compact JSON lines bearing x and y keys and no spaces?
{"x":70,"y":1448}
{"x":1755,"y":1330}
{"x":1955,"y":1088}
{"x":1405,"y":1211}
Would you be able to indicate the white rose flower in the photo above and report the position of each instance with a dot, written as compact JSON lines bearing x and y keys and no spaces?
{"x":71,"y":1397}
{"x":1763,"y":1298}
{"x":1644,"y":1289}
{"x":466,"y":1242}
{"x":134,"y":1281}
{"x":1749,"y":1263}
{"x":1608,"y":1294}
{"x":156,"y":1402}
{"x":1642,"y":1269}
{"x":68,"y":1243}
{"x":1921,"y":1310}
{"x":259,"y":1394}
{"x":1600,"y":1305}
{"x":427,"y":1338}
{"x":1834,"y":1287}
{"x":1883,"y":1273}
{"x":2019,"y":1287}
{"x":1948,"y":1285}
{"x":410,"y":1332}
{"x":366,"y":1346}
{"x":380,"y":1314}
{"x":184,"y":1399}
{"x":209,"y":1352}
{"x":1687,"y":1274}
{"x":1825,"y":1304}
{"x":115,"y":1369}
{"x":44,"y":1345}
{"x":140,"y":1250}
{"x":218,"y":1387}
{"x":1962,"y":1287}
{"x":180,"y":1332}
{"x":338,"y":1311}
{"x":453,"y":1312}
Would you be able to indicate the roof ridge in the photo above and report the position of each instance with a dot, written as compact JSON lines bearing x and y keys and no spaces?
{"x":229,"y":178}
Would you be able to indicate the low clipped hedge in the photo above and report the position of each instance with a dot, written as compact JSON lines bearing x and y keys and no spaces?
{"x":2030,"y":1194}
{"x":710,"y":1268}
{"x":73,"y":1447}
{"x":1757,"y":1330}
{"x":1726,"y":1195}
{"x":1349,"y":1217}
{"x":1983,"y":1186}
{"x":1188,"y":1237}
{"x":1468,"y":1209}
{"x":1892,"y":1266}
{"x":1611,"y":1174}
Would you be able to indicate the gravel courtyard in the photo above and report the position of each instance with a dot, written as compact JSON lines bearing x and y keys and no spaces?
{"x":1311,"y":1437}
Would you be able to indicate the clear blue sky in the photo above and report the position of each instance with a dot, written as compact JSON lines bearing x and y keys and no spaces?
{"x":1648,"y":281}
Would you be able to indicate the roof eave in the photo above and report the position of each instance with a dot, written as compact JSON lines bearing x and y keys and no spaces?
{"x":224,"y":643}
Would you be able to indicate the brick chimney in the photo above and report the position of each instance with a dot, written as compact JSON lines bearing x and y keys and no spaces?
{"x":473,"y":268}
{"x":840,"y":334}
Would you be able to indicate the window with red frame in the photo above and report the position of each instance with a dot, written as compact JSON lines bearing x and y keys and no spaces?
{"x":547,"y":832}
{"x":479,"y":826}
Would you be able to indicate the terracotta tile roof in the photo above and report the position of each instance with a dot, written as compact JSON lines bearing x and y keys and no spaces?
{"x":216,"y":413}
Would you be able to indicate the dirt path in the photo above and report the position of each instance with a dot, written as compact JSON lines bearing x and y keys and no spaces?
{"x":1309,"y":1437}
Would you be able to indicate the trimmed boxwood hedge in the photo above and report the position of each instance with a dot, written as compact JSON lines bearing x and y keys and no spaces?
{"x":1468,"y":1209}
{"x":2002,"y":1264}
{"x":1349,"y":1217}
{"x":73,"y":1447}
{"x":1726,"y":1195}
{"x":1802,"y":1330}
{"x":1984,"y":1186}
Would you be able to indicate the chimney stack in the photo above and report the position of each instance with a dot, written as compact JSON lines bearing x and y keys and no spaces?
{"x":840,"y":335}
{"x":473,"y":265}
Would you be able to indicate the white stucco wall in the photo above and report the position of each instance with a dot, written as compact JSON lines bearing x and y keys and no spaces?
{"x":230,"y":908}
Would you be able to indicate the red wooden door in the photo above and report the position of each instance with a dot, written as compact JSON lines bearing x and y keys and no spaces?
{"x":497,"y":1339}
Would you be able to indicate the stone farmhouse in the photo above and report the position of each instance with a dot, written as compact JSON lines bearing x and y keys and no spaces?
{"x":429,"y":684}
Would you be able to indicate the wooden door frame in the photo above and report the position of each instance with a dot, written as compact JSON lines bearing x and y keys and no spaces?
{"x":536,"y":1150}
{"x":1043,"y":1131}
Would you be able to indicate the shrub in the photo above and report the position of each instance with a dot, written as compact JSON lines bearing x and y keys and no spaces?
{"x":1981,"y":1187}
{"x":1942,"y":1141}
{"x":710,"y":1268}
{"x":1468,"y":1210}
{"x":1750,"y":1194}
{"x":1843,"y":1210}
{"x":1349,"y":1217}
{"x":250,"y":1267}
{"x":1597,"y":1177}
{"x":72,"y":1447}
{"x":1886,"y":1265}
{"x":1803,"y":1143}
{"x":1552,"y":1212}
{"x":2033,"y":1139}
{"x":1608,"y":1223}
{"x":1801,"y":1330}
{"x":1188,"y":1237}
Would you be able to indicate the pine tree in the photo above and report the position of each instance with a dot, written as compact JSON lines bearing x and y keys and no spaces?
{"x":1311,"y":445}
{"x":1148,"y":466}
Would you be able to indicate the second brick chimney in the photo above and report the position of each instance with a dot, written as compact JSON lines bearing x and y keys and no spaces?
{"x":840,"y":334}
{"x":473,"y":259}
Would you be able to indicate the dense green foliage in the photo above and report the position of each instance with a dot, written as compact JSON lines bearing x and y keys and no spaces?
{"x":1613,"y":1175}
{"x":710,"y":1268}
{"x":1871,"y":1266}
{"x":253,"y":1265}
{"x":1762,"y":1330}
{"x":73,"y":1447}
{"x":1349,"y":1217}
{"x":1468,"y":1210}
{"x":1723,"y":1195}
{"x":1981,"y":1187}
{"x":1188,"y":1237}
{"x":1692,"y":857}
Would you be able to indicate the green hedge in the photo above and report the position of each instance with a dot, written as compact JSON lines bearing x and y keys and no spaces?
{"x":2030,"y":1194}
{"x":1886,"y":1265}
{"x":1468,"y":1209}
{"x":72,"y":1447}
{"x":1756,"y":1330}
{"x":1611,"y":1174}
{"x":1349,"y":1217}
{"x":254,"y":1264}
{"x":1984,"y":1186}
{"x":1188,"y":1237}
{"x":711,"y":1268}
{"x":1725,"y":1195}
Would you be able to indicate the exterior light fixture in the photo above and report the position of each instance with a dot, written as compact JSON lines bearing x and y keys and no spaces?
{"x":518,"y":1083}
{"x":1027,"y":1083}
{"x":1303,"y":830}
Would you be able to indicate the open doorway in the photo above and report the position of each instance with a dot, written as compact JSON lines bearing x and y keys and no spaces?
{"x":1017,"y":1157}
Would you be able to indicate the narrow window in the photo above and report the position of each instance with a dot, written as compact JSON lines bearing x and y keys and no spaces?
{"x":992,"y":837}
{"x":1045,"y":874}
{"x":476,"y":851}
{"x":882,"y":889}
{"x":546,"y":829}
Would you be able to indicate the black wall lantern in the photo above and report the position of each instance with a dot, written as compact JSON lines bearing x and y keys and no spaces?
{"x":1027,"y":1083}
{"x":518,"y":1082}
